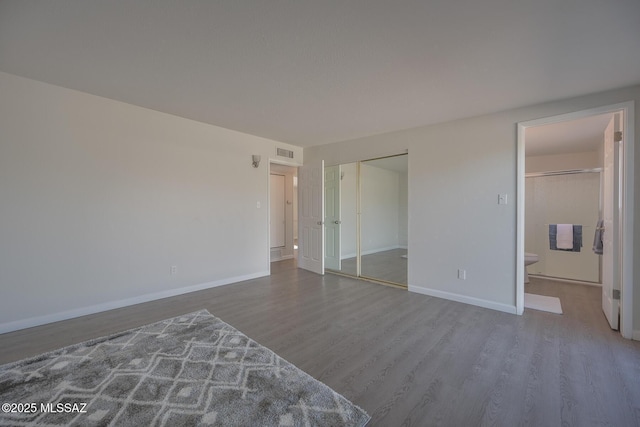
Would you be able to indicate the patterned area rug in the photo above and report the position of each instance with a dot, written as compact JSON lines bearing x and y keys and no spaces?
{"x":186,"y":371}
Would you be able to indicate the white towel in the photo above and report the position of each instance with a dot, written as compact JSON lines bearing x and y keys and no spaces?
{"x":564,"y":239}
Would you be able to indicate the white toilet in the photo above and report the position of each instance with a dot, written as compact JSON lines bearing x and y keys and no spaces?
{"x":529,"y":259}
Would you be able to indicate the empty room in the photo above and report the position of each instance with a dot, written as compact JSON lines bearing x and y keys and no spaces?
{"x":319,"y":213}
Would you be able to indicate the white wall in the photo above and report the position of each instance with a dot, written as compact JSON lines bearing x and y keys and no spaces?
{"x":99,"y":198}
{"x":456,"y":171}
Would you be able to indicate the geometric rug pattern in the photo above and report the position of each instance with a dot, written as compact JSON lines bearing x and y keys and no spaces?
{"x":191,"y":370}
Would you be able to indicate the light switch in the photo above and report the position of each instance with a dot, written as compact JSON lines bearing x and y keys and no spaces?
{"x":258,"y":205}
{"x":502,"y":199}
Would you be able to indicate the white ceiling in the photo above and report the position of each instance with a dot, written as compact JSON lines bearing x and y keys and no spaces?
{"x":312,"y":72}
{"x":573,"y":136}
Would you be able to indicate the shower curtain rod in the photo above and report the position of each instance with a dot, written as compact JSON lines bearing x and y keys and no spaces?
{"x":564,"y":172}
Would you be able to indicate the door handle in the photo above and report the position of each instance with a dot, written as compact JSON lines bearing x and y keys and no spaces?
{"x":320,"y":222}
{"x":337,"y":222}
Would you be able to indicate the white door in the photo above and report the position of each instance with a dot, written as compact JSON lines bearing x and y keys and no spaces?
{"x":332,"y":217}
{"x":310,"y":217}
{"x":610,"y":184}
{"x":277,"y":219}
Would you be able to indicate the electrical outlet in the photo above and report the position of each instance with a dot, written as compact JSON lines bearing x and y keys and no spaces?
{"x":174,"y":269}
{"x":462,"y":274}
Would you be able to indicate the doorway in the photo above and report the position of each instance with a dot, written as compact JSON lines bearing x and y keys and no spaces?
{"x":618,"y":191}
{"x":283,"y":212}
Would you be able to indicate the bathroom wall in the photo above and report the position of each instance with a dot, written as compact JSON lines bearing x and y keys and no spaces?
{"x":562,"y":199}
{"x":544,"y":205}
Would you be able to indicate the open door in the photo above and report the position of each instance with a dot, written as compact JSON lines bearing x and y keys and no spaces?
{"x":332,"y":221}
{"x":610,"y":212}
{"x":311,"y":217}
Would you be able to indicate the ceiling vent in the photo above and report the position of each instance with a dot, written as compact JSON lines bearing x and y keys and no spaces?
{"x":284,"y":153}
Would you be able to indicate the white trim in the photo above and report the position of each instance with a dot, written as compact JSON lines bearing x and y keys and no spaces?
{"x":293,"y":163}
{"x":520,"y":182}
{"x":282,"y":258}
{"x":373,"y":251}
{"x":560,"y":279}
{"x":378,"y":250}
{"x":636,"y":335}
{"x":464,"y":299}
{"x":626,"y":309}
{"x":92,"y":309}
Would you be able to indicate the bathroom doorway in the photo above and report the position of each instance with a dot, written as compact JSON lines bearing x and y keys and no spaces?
{"x":566,"y":163}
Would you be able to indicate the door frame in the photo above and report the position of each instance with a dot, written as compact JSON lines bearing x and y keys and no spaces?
{"x":267,"y":178}
{"x":284,"y":203}
{"x":625,"y":235}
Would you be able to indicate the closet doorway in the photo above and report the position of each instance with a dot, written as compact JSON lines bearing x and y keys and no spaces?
{"x":366,"y":219}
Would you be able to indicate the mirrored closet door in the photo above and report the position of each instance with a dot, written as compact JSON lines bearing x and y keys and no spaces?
{"x":366,"y":219}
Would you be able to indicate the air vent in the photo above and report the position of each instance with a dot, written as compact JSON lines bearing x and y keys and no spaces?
{"x":284,"y":153}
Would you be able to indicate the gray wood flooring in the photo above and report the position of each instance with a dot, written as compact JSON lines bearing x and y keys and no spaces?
{"x":409,"y":359}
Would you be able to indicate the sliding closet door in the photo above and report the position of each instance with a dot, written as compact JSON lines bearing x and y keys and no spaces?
{"x":340,"y":206}
{"x":366,"y":208}
{"x":383,"y":219}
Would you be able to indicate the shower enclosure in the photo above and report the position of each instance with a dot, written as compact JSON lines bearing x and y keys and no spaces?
{"x":566,"y":197}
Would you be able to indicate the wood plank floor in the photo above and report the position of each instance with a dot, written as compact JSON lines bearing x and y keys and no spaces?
{"x":409,"y":359}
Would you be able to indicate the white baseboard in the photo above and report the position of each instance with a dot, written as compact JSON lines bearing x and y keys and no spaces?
{"x":281,"y":258}
{"x":83,"y":311}
{"x":464,"y":299}
{"x":636,"y":335}
{"x":560,"y":279}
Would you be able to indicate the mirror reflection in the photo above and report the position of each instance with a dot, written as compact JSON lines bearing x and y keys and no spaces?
{"x":381,"y":186}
